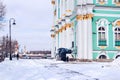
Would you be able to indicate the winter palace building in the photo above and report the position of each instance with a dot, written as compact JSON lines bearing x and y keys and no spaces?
{"x":91,"y":28}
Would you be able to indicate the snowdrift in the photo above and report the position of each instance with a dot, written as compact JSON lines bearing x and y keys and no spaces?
{"x":116,"y":62}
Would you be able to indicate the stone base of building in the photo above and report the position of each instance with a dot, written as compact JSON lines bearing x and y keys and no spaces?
{"x":84,"y":60}
{"x":103,"y":60}
{"x":89,"y":60}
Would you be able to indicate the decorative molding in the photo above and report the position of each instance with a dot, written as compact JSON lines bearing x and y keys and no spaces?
{"x":68,"y":25}
{"x":79,"y":17}
{"x":102,"y":53}
{"x":101,"y":2}
{"x":103,"y":47}
{"x":53,"y":2}
{"x":63,"y":28}
{"x":60,"y":30}
{"x":56,"y":32}
{"x":52,"y":35}
{"x":118,"y":47}
{"x":117,"y":3}
{"x":72,"y":24}
{"x":68,"y":11}
{"x":55,"y":13}
{"x":102,"y":22}
{"x":90,"y":16}
{"x":64,"y":15}
{"x":116,"y":23}
{"x":84,"y":17}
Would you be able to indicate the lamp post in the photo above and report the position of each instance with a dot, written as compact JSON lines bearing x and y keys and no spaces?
{"x":11,"y":22}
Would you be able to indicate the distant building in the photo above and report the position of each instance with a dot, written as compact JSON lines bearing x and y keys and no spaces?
{"x":91,"y":28}
{"x":39,"y":54}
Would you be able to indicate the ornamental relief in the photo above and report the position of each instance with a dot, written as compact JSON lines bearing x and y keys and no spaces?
{"x":102,"y":22}
{"x":116,"y":23}
{"x":101,"y":2}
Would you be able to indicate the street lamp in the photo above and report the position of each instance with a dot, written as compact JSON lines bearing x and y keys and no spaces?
{"x":11,"y":22}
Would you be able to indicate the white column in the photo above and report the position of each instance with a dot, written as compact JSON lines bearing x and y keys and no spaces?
{"x":53,"y":48}
{"x":65,"y":39}
{"x":63,"y":34}
{"x":71,"y":38}
{"x":61,"y":40}
{"x":56,"y":42}
{"x":89,"y":22}
{"x":72,"y":34}
{"x":79,"y":2}
{"x":67,"y":4}
{"x":53,"y":38}
{"x":85,"y":2}
{"x":71,"y":5}
{"x":56,"y":10}
{"x":85,"y":35}
{"x":68,"y":38}
{"x":60,"y":43}
{"x":79,"y":40}
{"x":64,"y":4}
{"x":68,"y":7}
{"x":60,"y":36}
{"x":60,"y":8}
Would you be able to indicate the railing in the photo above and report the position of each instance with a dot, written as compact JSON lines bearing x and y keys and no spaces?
{"x":117,"y":43}
{"x":102,"y":43}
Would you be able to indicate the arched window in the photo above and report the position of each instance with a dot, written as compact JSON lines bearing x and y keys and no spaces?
{"x":117,"y":56}
{"x":102,"y":57}
{"x":101,"y":36}
{"x":117,"y":36}
{"x":101,"y":33}
{"x":116,"y":1}
{"x":117,"y":33}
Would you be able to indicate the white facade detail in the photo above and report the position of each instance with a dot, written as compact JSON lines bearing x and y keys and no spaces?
{"x":73,"y":28}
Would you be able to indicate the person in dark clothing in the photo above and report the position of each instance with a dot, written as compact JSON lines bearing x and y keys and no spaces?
{"x":67,"y":58}
{"x":17,"y":56}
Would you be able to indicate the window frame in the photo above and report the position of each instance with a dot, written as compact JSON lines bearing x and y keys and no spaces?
{"x":102,"y":22}
{"x":117,"y":36}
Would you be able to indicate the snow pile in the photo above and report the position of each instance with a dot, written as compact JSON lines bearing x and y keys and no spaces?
{"x":116,"y":62}
{"x":48,"y":69}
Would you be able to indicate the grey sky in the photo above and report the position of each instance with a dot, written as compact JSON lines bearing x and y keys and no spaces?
{"x":34,"y":21}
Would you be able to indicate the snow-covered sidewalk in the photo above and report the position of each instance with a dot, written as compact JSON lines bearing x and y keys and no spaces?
{"x":47,"y":69}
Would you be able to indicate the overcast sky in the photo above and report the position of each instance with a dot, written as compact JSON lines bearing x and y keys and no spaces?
{"x":33,"y":22}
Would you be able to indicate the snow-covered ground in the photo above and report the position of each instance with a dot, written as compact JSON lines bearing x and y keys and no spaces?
{"x":47,"y":69}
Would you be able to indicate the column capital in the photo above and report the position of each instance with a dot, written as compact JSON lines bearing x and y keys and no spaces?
{"x":53,"y":2}
{"x":79,"y":17}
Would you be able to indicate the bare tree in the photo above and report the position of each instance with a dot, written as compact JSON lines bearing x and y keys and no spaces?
{"x":2,"y":13}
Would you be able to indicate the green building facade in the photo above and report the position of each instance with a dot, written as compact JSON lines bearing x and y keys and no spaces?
{"x":90,"y":28}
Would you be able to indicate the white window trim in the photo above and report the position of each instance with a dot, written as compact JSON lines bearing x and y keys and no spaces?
{"x":102,"y":53}
{"x":114,"y":35}
{"x":106,"y":30}
{"x":114,"y":26}
{"x":101,"y":32}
